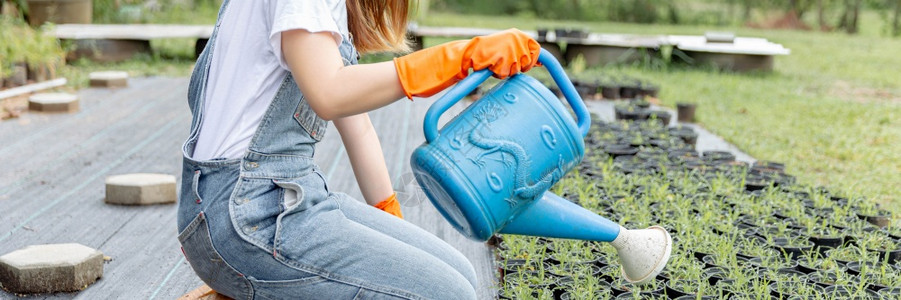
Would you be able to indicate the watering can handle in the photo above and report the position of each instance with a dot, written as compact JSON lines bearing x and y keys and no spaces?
{"x":468,"y":84}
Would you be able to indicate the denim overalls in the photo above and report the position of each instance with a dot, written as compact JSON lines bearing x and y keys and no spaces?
{"x":266,"y":226}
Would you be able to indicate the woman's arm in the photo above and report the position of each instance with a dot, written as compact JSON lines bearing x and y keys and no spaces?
{"x":366,"y":158}
{"x":332,"y":89}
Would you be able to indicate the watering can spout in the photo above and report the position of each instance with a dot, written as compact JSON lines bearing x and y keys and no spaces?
{"x":553,"y":216}
{"x":643,"y":253}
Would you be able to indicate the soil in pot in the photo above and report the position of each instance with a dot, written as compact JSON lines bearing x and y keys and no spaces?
{"x":695,"y":288}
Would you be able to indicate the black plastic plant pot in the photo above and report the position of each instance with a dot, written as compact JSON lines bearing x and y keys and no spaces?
{"x":717,"y":156}
{"x":855,"y":267}
{"x":618,"y":150}
{"x":892,"y":256}
{"x":640,"y":103}
{"x":571,"y":295}
{"x":683,"y":287}
{"x":784,"y":275}
{"x":628,"y":91}
{"x":560,"y":33}
{"x":793,"y":247}
{"x":561,"y":285}
{"x":849,"y":292}
{"x":648,"y":90}
{"x":877,"y":282}
{"x":685,"y":112}
{"x":756,"y":183}
{"x":890,"y":293}
{"x":770,"y":165}
{"x":787,"y":290}
{"x":621,"y":286}
{"x":661,"y":116}
{"x":694,"y":297}
{"x":641,"y":296}
{"x":808,"y":267}
{"x":585,"y":91}
{"x":714,"y":275}
{"x":542,"y":34}
{"x":825,"y":243}
{"x":827,"y":279}
{"x":610,"y":91}
{"x":880,"y":219}
{"x":773,"y":264}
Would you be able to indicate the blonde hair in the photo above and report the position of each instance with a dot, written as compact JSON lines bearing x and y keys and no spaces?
{"x":378,"y":25}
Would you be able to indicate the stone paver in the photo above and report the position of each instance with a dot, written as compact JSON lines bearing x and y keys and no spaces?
{"x":50,"y":268}
{"x":109,"y":79}
{"x":140,"y":189}
{"x":53,"y":102}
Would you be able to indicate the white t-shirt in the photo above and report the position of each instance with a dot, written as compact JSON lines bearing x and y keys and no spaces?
{"x":247,"y":67}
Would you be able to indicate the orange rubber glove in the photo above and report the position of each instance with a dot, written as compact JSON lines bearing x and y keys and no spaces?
{"x":426,"y":72}
{"x":391,"y":206}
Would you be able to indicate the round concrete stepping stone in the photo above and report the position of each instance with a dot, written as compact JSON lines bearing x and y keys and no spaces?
{"x":53,"y":102}
{"x":109,"y":79}
{"x":50,"y":268}
{"x":140,"y":189}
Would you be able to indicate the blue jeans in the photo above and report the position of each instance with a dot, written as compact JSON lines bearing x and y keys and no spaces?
{"x":266,"y":226}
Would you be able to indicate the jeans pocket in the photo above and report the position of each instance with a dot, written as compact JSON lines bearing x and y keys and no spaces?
{"x":293,"y":194}
{"x":309,"y":120}
{"x":208,"y":264}
{"x":312,"y":287}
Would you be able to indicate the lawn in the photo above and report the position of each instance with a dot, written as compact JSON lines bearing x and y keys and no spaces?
{"x":831,"y":110}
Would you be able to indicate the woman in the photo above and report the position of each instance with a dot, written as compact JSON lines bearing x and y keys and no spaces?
{"x":256,"y":219}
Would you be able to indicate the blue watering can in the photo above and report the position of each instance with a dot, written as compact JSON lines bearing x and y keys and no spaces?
{"x":488,"y":170}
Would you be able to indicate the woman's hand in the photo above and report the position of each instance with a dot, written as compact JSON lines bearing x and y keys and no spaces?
{"x":427,"y":72}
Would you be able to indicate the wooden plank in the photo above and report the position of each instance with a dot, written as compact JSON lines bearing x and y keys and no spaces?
{"x":30,"y":88}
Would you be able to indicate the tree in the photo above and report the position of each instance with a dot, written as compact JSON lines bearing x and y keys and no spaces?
{"x":849,"y":19}
{"x":896,"y":26}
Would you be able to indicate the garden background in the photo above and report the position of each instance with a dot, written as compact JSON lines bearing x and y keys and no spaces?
{"x":831,"y":110}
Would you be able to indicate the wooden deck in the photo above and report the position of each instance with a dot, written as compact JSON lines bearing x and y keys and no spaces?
{"x":54,"y":166}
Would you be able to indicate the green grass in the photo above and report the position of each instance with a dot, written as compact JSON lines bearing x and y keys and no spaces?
{"x":831,"y":110}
